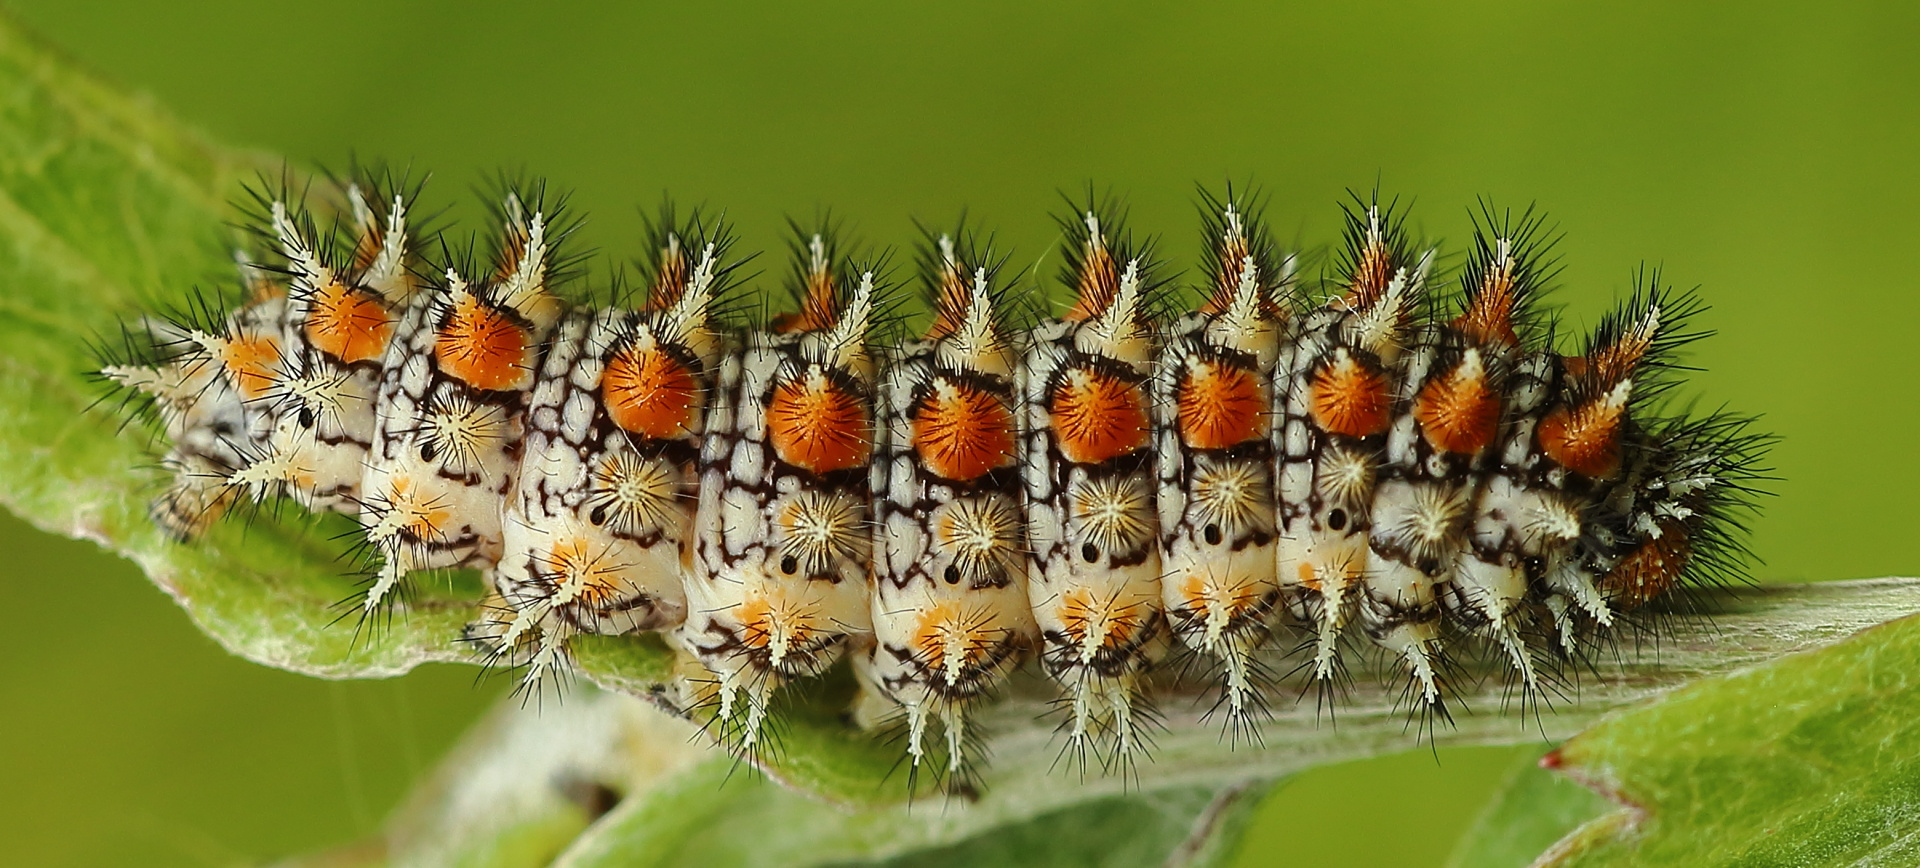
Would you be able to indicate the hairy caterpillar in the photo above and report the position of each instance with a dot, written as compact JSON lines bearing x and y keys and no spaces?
{"x":1293,"y":466}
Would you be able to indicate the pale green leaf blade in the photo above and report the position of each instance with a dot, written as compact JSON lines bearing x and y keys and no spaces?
{"x":1809,"y":760}
{"x":1533,"y":809}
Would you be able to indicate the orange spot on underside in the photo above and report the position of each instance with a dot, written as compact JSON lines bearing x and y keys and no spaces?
{"x":1201,"y":596}
{"x":1309,"y":576}
{"x":1586,"y":439}
{"x":817,"y":426}
{"x":348,"y":323}
{"x":949,"y":641}
{"x":251,"y":362}
{"x":1220,"y":405}
{"x":1653,"y":568}
{"x":1097,"y":416}
{"x":649,"y":392}
{"x":1459,"y":412}
{"x":594,"y":581}
{"x":1104,"y":619}
{"x":768,"y":621}
{"x":961,"y":432}
{"x":419,"y":517}
{"x":1350,"y":397}
{"x":483,"y":347}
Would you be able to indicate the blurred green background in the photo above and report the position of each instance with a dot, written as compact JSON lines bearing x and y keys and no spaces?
{"x":1767,"y":152}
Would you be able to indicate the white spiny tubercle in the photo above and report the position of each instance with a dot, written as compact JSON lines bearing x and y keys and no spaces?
{"x":955,"y":720}
{"x":362,"y":214}
{"x":846,"y":343}
{"x":164,"y":383}
{"x":388,"y":268}
{"x":976,"y":335}
{"x":1120,"y":321}
{"x":528,"y":282}
{"x":211,"y":344}
{"x":689,"y":313}
{"x":294,"y":245}
{"x":384,"y":582}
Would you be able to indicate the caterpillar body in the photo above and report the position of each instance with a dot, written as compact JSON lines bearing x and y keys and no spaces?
{"x":1398,"y":465}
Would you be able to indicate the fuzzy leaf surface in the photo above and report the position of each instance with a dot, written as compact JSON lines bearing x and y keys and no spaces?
{"x":1809,"y":760}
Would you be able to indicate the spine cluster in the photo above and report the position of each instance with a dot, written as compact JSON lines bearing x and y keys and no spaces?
{"x":1375,"y":458}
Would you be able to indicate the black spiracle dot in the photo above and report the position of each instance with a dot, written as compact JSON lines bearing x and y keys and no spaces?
{"x":306,"y":417}
{"x":790,"y":566}
{"x":1337,"y":520}
{"x":952,"y":575}
{"x":427,"y":452}
{"x":1212,"y":534}
{"x":1090,"y":552}
{"x":598,"y":516}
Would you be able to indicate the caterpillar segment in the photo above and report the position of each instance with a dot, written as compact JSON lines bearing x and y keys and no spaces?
{"x":1691,"y":482}
{"x":206,"y":374}
{"x":338,"y":323}
{"x":1213,"y":423}
{"x":596,"y":531}
{"x":951,"y":613}
{"x":454,"y":385}
{"x":1094,"y":576}
{"x":1585,"y":451}
{"x":1336,"y":408}
{"x":779,"y":586}
{"x":1477,"y":407}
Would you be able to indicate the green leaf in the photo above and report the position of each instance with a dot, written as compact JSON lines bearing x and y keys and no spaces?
{"x":1810,"y":760}
{"x":529,"y":787}
{"x":1534,"y":809}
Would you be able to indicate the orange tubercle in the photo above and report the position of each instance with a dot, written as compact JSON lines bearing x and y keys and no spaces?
{"x":1459,"y":412}
{"x":1489,"y":320}
{"x":1097,"y":417}
{"x":251,"y":361}
{"x":1350,"y":397}
{"x":1219,"y":406}
{"x":1651,"y":570}
{"x":1586,"y":439}
{"x":817,"y":426}
{"x":349,"y":324}
{"x":1372,"y":271}
{"x":1099,"y":284}
{"x":650,"y":393}
{"x":482,"y":347}
{"x":962,"y":433}
{"x":817,"y":311}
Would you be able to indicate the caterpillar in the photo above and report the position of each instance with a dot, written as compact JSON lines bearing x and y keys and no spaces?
{"x":1112,"y":486}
